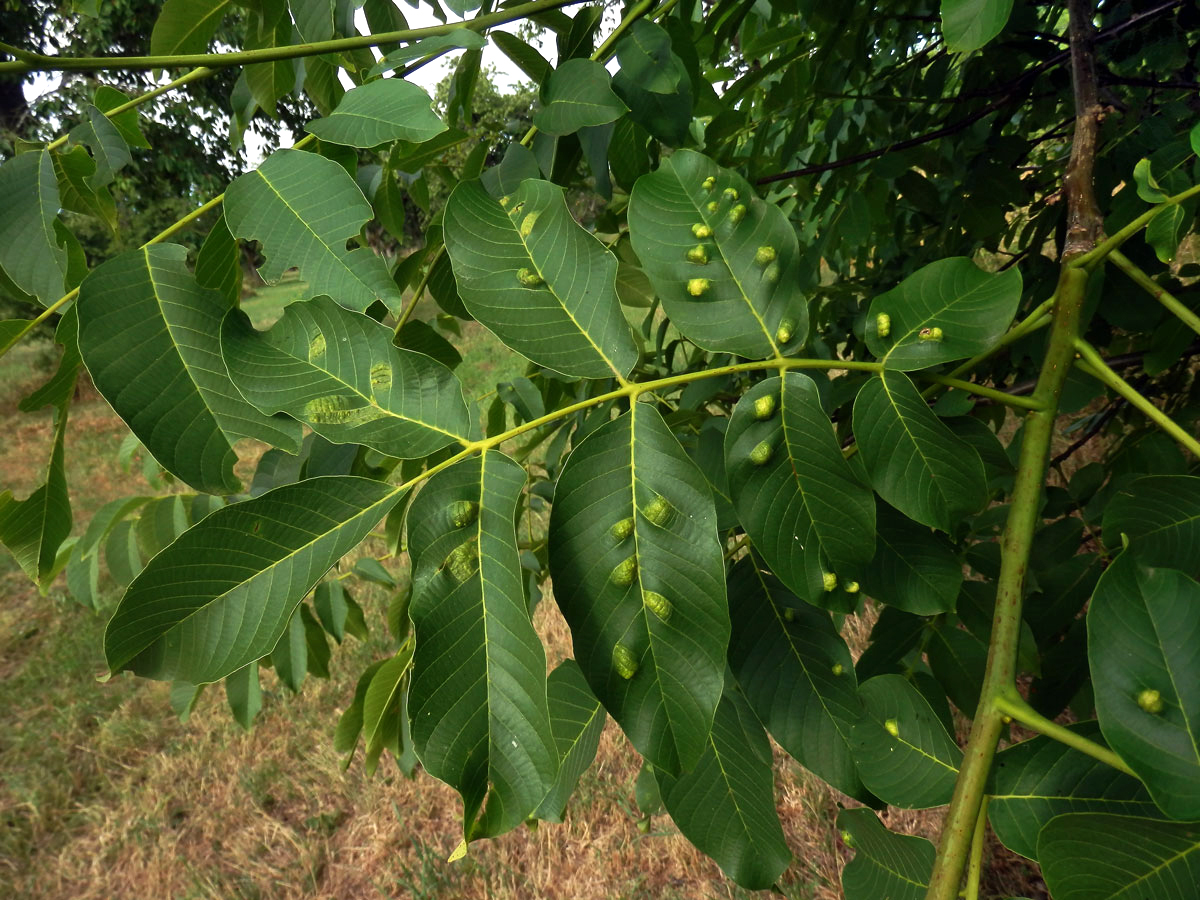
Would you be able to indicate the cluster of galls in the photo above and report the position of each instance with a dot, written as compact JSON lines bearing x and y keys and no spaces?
{"x":657,"y":512}
{"x":764,"y":257}
{"x":463,"y":560}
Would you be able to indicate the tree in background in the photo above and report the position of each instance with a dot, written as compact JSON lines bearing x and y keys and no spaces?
{"x":857,"y":286}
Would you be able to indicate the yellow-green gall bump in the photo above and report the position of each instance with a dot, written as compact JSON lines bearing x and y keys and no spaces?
{"x":764,"y":407}
{"x":771,"y":273}
{"x":784,"y":332}
{"x":658,"y":510}
{"x":892,"y":727}
{"x":1151,"y":701}
{"x":712,"y":206}
{"x":931,"y":334}
{"x":505,"y":200}
{"x":848,"y":839}
{"x":837,"y":669}
{"x":789,"y":614}
{"x":461,"y":563}
{"x":737,"y":214}
{"x":828,"y":581}
{"x":698,"y":255}
{"x":463,"y":513}
{"x":527,"y":224}
{"x":701,"y":230}
{"x":697,"y":286}
{"x":851,"y":587}
{"x":761,"y":454}
{"x":624,"y":661}
{"x":764,"y":255}
{"x":657,"y":604}
{"x":710,"y":182}
{"x":883,"y":324}
{"x":623,"y":574}
{"x":529,"y":278}
{"x":622,"y":529}
{"x":731,"y":193}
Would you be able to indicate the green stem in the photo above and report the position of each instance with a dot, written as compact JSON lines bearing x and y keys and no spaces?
{"x":194,"y":75}
{"x":1093,"y":364}
{"x":983,"y":391}
{"x":975,"y":864}
{"x":1096,"y":255}
{"x":40,"y":63}
{"x":1161,"y":294}
{"x":959,"y":827}
{"x":407,"y":312}
{"x":1038,"y":317}
{"x":1014,"y":706}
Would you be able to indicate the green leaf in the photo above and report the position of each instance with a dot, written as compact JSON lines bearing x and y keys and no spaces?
{"x":1098,"y":856}
{"x":1160,"y":515}
{"x":186,"y":26}
{"x":390,"y":109}
{"x":525,"y":57}
{"x":914,"y":461}
{"x":639,"y":576}
{"x":149,"y":336}
{"x":724,"y":263}
{"x":338,"y":372}
{"x":108,"y":98}
{"x":969,"y":24}
{"x":958,"y":660}
{"x":459,"y":38}
{"x":109,"y":150}
{"x":1167,"y":229}
{"x":1144,"y":654}
{"x":74,"y":171}
{"x":1036,"y":780}
{"x":578,"y":94}
{"x":903,"y":752}
{"x":1147,"y":186}
{"x":885,"y":864}
{"x":382,"y":697}
{"x":314,"y":19}
{"x":577,"y":720}
{"x":350,"y":723}
{"x":914,"y":569}
{"x":480,"y":720}
{"x":972,"y":309}
{"x":221,"y":595}
{"x":803,"y":503}
{"x":645,"y":56}
{"x":797,"y":674}
{"x":318,"y":650}
{"x":332,"y":605}
{"x":30,"y":253}
{"x":725,"y":805}
{"x":33,"y":529}
{"x":540,"y":282}
{"x":290,"y":656}
{"x":218,"y":263}
{"x":303,"y":208}
{"x":244,"y":693}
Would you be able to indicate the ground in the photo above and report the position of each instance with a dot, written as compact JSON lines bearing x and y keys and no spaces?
{"x":107,"y":795}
